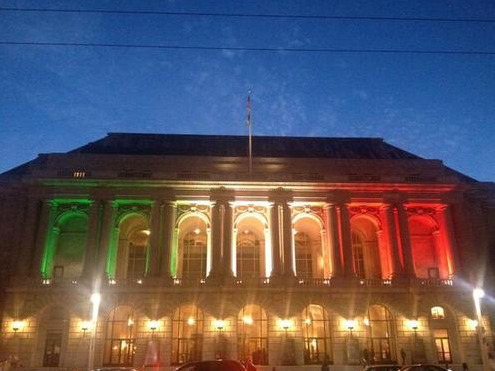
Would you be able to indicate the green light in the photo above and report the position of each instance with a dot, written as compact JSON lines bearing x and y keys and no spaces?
{"x":173,"y":255}
{"x":112,"y":253}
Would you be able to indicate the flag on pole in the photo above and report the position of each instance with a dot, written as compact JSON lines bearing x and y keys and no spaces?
{"x":249,"y":109}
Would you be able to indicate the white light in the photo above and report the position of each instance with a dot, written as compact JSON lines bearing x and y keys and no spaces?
{"x":219,"y":324}
{"x":191,"y":321}
{"x":153,"y":325}
{"x":247,"y":320}
{"x":349,"y":324}
{"x":413,"y":324}
{"x":95,"y":298}
{"x":146,"y":232}
{"x":478,"y":293}
{"x":197,"y":231}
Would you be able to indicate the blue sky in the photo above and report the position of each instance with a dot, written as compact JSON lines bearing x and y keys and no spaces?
{"x":53,"y":99}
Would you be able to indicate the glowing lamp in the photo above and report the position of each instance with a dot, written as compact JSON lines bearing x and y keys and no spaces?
{"x":349,"y":324}
{"x":478,"y":293}
{"x":307,"y":321}
{"x":85,"y":326}
{"x":191,"y":321}
{"x":219,"y":324}
{"x":413,"y":324}
{"x":17,"y":325}
{"x":247,"y":320}
{"x":95,"y":298}
{"x":472,"y":324}
{"x":153,"y":325}
{"x":285,"y":324}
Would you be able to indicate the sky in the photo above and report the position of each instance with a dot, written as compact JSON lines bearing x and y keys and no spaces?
{"x":437,"y":106}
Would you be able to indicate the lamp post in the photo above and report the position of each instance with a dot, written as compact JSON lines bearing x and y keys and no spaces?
{"x":478,"y":293}
{"x":95,"y":301}
{"x":414,"y":325}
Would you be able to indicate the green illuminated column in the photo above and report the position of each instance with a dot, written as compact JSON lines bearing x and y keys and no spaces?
{"x":28,"y":237}
{"x":107,"y":243}
{"x":155,"y":237}
{"x":90,"y":254}
{"x":48,"y":213}
{"x":48,"y":259}
{"x":170,"y":239}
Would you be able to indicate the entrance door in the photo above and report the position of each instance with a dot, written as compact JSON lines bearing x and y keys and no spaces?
{"x":53,"y":345}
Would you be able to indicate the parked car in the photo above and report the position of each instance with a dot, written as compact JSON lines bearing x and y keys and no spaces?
{"x":219,"y":365}
{"x":386,"y":367}
{"x":424,"y":367}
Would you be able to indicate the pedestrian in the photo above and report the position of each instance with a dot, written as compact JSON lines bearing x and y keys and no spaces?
{"x":465,"y":366}
{"x":325,"y":364}
{"x":403,"y":356}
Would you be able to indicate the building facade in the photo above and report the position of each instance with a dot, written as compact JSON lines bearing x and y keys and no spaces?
{"x":347,"y":249}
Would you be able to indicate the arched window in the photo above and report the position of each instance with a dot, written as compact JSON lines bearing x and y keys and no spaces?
{"x":133,"y":247}
{"x":380,"y":335}
{"x":187,"y":334}
{"x":119,"y":337}
{"x":426,"y":255}
{"x":317,"y":335}
{"x":437,"y":313}
{"x":365,"y":249}
{"x":308,"y":249}
{"x":193,"y":248}
{"x":71,"y":245}
{"x":252,"y":334}
{"x":250,"y":246}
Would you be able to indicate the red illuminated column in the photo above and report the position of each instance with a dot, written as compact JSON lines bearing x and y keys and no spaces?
{"x":446,"y":227}
{"x":28,"y":237}
{"x":345,"y":237}
{"x":155,"y":236}
{"x":332,"y":226}
{"x":391,"y":237}
{"x":275,"y":229}
{"x":169,"y":215}
{"x":405,"y":240}
{"x":287,"y":240}
{"x":48,"y":212}
{"x":92,"y":239}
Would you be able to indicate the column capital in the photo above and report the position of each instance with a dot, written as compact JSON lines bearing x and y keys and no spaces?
{"x":338,"y":197}
{"x":280,"y":195}
{"x":394,"y":197}
{"x":222,"y":195}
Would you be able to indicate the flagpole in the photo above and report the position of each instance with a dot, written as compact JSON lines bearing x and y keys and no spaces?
{"x":250,"y":141}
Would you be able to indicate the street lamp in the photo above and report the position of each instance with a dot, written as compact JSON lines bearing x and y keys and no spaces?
{"x":85,"y":326}
{"x":95,"y":301}
{"x":153,"y":325}
{"x":478,"y":294}
{"x":17,"y":325}
{"x":350,"y":324}
{"x":414,"y":325}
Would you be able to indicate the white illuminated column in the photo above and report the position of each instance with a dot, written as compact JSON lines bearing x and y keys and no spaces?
{"x":95,"y":301}
{"x":477,"y":295}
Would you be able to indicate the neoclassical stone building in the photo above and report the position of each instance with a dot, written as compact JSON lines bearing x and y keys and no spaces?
{"x":346,"y":248}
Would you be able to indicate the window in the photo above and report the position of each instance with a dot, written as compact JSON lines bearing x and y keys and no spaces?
{"x":316,"y":334}
{"x":248,"y":255}
{"x":380,"y":341}
{"x":194,"y":256}
{"x":136,"y":261}
{"x":358,"y":255}
{"x":252,"y":334}
{"x":119,"y":341}
{"x":437,"y":313}
{"x":187,"y":334}
{"x":442,"y":346}
{"x":304,"y":260}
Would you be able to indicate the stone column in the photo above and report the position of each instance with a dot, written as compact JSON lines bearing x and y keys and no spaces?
{"x":391,"y":237}
{"x":345,"y":236}
{"x":227,"y":243}
{"x":405,"y":240}
{"x":275,"y":229}
{"x":25,"y":259}
{"x":155,"y":239}
{"x":169,"y":231}
{"x":216,"y":238}
{"x":289,"y":269}
{"x":90,"y":255}
{"x":332,"y":227}
{"x":107,"y":233}
{"x":447,"y":228}
{"x":48,"y":211}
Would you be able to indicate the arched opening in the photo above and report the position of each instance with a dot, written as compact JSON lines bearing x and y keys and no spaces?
{"x":365,"y":249}
{"x":308,"y":249}
{"x":187,"y":334}
{"x":443,"y":332}
{"x":381,"y":343}
{"x":250,"y":248}
{"x":317,"y":335}
{"x":193,"y":251}
{"x":71,"y":246}
{"x":133,"y":247}
{"x":53,"y":334}
{"x":425,"y":248}
{"x":252,"y":334}
{"x":119,"y":337}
